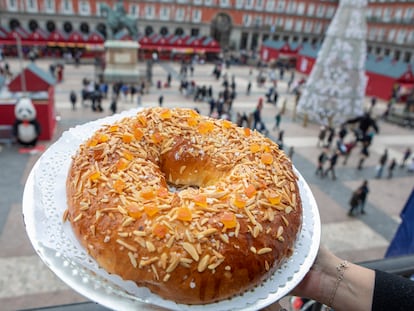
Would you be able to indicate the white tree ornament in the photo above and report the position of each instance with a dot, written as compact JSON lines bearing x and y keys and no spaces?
{"x":335,"y":89}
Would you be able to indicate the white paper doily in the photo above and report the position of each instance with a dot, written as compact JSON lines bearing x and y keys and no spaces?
{"x":44,"y":201}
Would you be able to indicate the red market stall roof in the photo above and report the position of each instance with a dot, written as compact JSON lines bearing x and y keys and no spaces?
{"x":95,"y":38}
{"x":36,"y":80}
{"x":180,"y":44}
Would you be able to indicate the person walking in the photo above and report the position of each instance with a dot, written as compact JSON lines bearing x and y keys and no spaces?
{"x":73,"y":99}
{"x":382,"y":161}
{"x":407,"y":154}
{"x":160,"y":100}
{"x":278,"y":118}
{"x":321,"y":136}
{"x":354,"y":202}
{"x":332,"y":163}
{"x":363,"y":155}
{"x":321,"y":161}
{"x":363,"y":193}
{"x":391,"y":167}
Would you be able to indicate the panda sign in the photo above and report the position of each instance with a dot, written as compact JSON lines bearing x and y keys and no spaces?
{"x":26,"y":128}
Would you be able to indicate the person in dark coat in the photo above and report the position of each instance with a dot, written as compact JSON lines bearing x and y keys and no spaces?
{"x":391,"y":168}
{"x":73,"y":98}
{"x":321,"y":161}
{"x":363,"y":193}
{"x":332,"y":163}
{"x":354,"y":202}
{"x":382,"y":161}
{"x":365,"y":122}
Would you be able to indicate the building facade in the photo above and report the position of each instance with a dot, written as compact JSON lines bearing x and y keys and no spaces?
{"x":236,"y":24}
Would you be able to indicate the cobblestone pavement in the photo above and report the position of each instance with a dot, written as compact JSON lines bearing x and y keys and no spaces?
{"x":25,"y":282}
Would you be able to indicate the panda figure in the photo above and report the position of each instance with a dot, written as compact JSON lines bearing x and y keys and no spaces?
{"x":26,"y":128}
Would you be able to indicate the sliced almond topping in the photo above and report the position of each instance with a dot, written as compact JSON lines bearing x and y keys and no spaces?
{"x":206,"y":233}
{"x":191,"y":250}
{"x":174,"y":263}
{"x":253,"y":249}
{"x":132,"y":259}
{"x":126,"y":245}
{"x":264,"y":250}
{"x":166,"y":277}
{"x":150,"y":246}
{"x":279,"y":231}
{"x":202,"y":265}
{"x":144,"y":263}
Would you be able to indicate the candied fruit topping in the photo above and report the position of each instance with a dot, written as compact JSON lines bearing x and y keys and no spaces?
{"x":255,"y":148}
{"x":247,"y":131}
{"x":205,"y":127}
{"x":95,"y":176}
{"x":184,"y":214}
{"x":128,"y":155}
{"x":147,"y":194}
{"x":200,"y":200}
{"x":127,"y":138}
{"x":227,"y":124}
{"x":138,"y":134}
{"x":250,"y":191}
{"x":103,"y":138}
{"x":151,"y":209}
{"x":165,"y":114}
{"x":113,"y":128}
{"x":239,"y":201}
{"x":267,"y":158}
{"x":192,"y":121}
{"x":228,"y":220}
{"x":194,"y":114}
{"x":134,"y":212}
{"x":119,"y":185}
{"x":156,"y":138}
{"x":273,"y":197}
{"x":143,"y":120}
{"x":160,"y":230}
{"x":122,"y":164}
{"x":93,"y":142}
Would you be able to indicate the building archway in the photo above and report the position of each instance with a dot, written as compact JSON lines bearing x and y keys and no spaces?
{"x":179,"y":31}
{"x":33,"y":25}
{"x":148,"y":30}
{"x":50,"y":26}
{"x":67,"y":27}
{"x":164,"y":31}
{"x":84,"y":28}
{"x":101,"y":28}
{"x":14,"y":23}
{"x":221,"y":27}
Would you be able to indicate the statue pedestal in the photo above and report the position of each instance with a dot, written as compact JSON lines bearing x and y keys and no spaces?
{"x":121,"y":62}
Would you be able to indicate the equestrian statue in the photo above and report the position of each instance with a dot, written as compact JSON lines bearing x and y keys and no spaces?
{"x":117,"y":19}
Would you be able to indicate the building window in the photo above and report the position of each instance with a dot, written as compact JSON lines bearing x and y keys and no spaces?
{"x":289,"y":24}
{"x":259,"y":5}
{"x":372,"y":33}
{"x":281,"y":6}
{"x":243,"y":40}
{"x":247,"y":19}
{"x":164,"y":13}
{"x":209,"y":2}
{"x":149,"y":11}
{"x":378,"y":13}
{"x":397,"y":55}
{"x":308,"y":26}
{"x":381,"y":34}
{"x":391,"y":35}
{"x":321,"y":11}
{"x":298,"y":25}
{"x":330,"y":11}
{"x":249,"y":4}
{"x":198,"y":2}
{"x":268,"y":21}
{"x":291,"y":7}
{"x":84,"y":8}
{"x":67,"y":7}
{"x":258,"y":21}
{"x":12,"y":5}
{"x":49,"y":6}
{"x":270,"y":5}
{"x":134,"y":10}
{"x":31,"y":6}
{"x":401,"y":36}
{"x":224,"y":3}
{"x":182,"y":1}
{"x":239,"y":4}
{"x":179,"y":15}
{"x":195,"y":32}
{"x":410,"y":38}
{"x":387,"y":15}
{"x":318,"y":27}
{"x":301,"y":8}
{"x":311,"y":9}
{"x":280,"y":22}
{"x":398,"y":14}
{"x":196,"y":16}
{"x":407,"y":57}
{"x":409,"y":15}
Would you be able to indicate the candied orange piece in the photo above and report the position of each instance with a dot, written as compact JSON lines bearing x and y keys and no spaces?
{"x":147,"y":194}
{"x":93,"y":142}
{"x":194,"y":114}
{"x":157,"y":138}
{"x":119,"y":185}
{"x":184,"y":214}
{"x":162,"y":192}
{"x":227,"y":124}
{"x":138,"y":134}
{"x":113,"y":128}
{"x":250,"y":191}
{"x":200,"y":200}
{"x":266,"y":148}
{"x":103,"y":138}
{"x":160,"y":230}
{"x":165,"y":114}
{"x":191,"y":121}
{"x":143,"y":120}
{"x":255,"y":148}
{"x":121,"y":164}
{"x":239,"y":201}
{"x":127,"y":138}
{"x":128,"y":155}
{"x":267,"y":158}
{"x":95,"y":176}
{"x":247,"y":131}
{"x":134,"y":212}
{"x":205,"y":127}
{"x":228,"y":220}
{"x":151,"y":209}
{"x":273,"y":197}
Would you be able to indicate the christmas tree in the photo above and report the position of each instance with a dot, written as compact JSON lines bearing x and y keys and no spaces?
{"x":335,"y":88}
